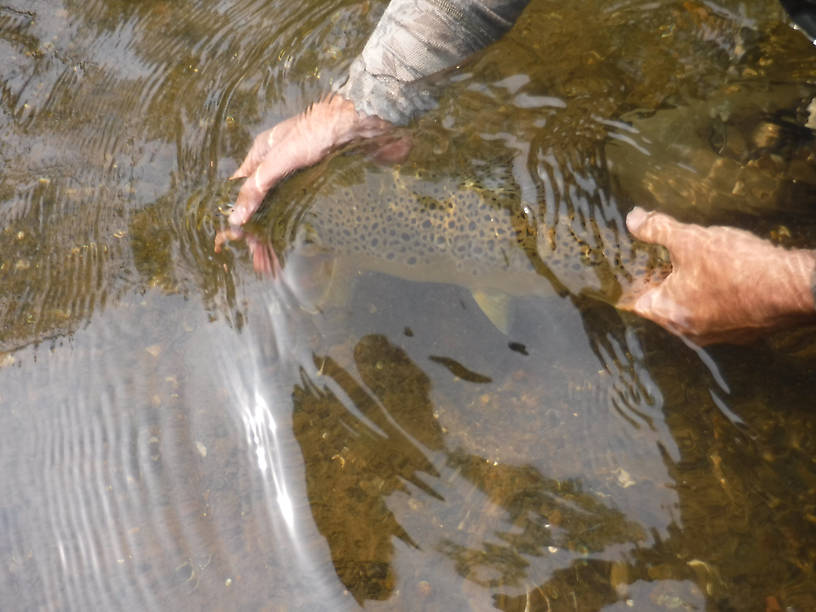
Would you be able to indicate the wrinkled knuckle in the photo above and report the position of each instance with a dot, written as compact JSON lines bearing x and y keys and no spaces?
{"x":659,"y":221}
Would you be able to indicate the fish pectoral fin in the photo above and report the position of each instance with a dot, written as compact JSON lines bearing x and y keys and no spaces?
{"x":340,"y":289}
{"x":496,"y":307}
{"x":318,"y":282}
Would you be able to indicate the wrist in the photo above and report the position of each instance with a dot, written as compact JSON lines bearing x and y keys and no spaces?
{"x":793,"y":288}
{"x":346,"y":124}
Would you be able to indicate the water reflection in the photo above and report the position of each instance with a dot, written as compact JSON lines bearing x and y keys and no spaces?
{"x":489,"y":519}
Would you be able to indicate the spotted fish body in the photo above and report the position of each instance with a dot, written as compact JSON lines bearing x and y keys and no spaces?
{"x":483,"y":239}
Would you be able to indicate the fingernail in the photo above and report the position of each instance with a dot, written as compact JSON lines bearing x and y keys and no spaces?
{"x":635,"y":218}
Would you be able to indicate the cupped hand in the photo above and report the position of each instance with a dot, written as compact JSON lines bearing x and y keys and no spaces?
{"x":726,"y":284}
{"x":298,"y":142}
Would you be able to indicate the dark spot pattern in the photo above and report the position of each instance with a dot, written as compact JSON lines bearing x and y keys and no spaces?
{"x":425,"y":222}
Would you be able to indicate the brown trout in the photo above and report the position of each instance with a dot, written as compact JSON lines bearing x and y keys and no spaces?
{"x":486,"y":240}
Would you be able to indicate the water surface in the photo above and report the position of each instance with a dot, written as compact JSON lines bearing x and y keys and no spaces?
{"x":176,"y":430}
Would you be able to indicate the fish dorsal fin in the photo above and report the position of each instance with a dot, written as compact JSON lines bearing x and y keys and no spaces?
{"x":496,"y":307}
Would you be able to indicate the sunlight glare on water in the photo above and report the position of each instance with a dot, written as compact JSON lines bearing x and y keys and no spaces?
{"x":261,"y":431}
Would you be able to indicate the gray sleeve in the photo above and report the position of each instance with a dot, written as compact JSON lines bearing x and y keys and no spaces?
{"x":415,"y":39}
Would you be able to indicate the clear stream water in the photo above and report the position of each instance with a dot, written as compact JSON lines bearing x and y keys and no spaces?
{"x":179,"y":432}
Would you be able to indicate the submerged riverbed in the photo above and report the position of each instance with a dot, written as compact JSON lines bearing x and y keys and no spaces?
{"x":177,"y":430}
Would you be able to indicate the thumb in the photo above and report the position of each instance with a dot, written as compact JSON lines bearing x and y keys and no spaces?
{"x":653,"y":227}
{"x":645,"y":304}
{"x":658,"y":305}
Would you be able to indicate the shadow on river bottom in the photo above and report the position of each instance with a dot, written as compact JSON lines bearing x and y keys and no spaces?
{"x":178,"y":431}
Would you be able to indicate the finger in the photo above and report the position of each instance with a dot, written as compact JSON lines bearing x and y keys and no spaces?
{"x":261,"y":261}
{"x":249,"y":164}
{"x":654,"y":227}
{"x":254,"y":190}
{"x":248,"y":201}
{"x":252,"y":160}
{"x":657,"y":305}
{"x":222,"y":237}
{"x":264,"y":259}
{"x":258,"y":151}
{"x":239,"y":173}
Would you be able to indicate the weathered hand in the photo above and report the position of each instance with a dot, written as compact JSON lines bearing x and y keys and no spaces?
{"x":296,"y":143}
{"x":727,"y":285}
{"x":264,"y":259}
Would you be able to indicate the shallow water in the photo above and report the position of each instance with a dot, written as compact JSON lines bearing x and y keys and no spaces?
{"x":177,"y":431}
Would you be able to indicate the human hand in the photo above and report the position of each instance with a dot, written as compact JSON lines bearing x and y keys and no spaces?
{"x":726,"y":285}
{"x":298,"y":142}
{"x":264,"y":259}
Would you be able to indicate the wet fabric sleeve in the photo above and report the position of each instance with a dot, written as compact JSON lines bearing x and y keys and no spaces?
{"x":415,"y":39}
